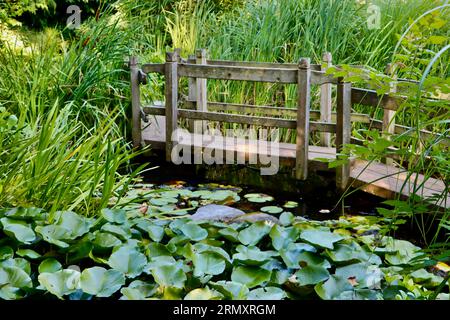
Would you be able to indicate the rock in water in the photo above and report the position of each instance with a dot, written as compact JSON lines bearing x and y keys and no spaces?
{"x":215,"y":212}
{"x":257,"y":216}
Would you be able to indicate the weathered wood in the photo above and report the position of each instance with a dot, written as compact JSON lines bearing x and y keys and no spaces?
{"x":135,"y":103}
{"x":154,"y":68}
{"x":389,"y":122}
{"x":302,"y":139}
{"x":202,"y":94}
{"x":343,"y":130}
{"x":274,"y":75}
{"x":325,"y":101}
{"x":371,"y":98}
{"x":192,"y":93}
{"x":171,"y":93}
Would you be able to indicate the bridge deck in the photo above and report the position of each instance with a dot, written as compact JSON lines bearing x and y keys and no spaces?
{"x":376,"y":178}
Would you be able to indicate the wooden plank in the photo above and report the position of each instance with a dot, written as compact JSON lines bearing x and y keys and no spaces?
{"x":388,"y":181}
{"x":343,"y":130}
{"x":302,"y":139}
{"x":192,"y":94}
{"x":135,"y":103}
{"x":171,"y":93}
{"x":325,"y":102}
{"x":154,"y":68}
{"x":371,"y":98}
{"x":202,"y":96}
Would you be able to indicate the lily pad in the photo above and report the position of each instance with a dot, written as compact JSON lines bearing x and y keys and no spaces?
{"x":49,"y":265}
{"x":252,"y":255}
{"x":6,"y":252}
{"x":193,"y":231}
{"x":311,"y":274}
{"x":101,"y":282}
{"x":290,"y":204}
{"x":282,"y":237}
{"x":169,"y":275}
{"x":333,"y":287}
{"x":292,"y":254}
{"x":28,"y":253}
{"x":286,"y":218}
{"x":250,"y":276}
{"x":267,"y":293}
{"x":272,"y":209}
{"x":230,"y":289}
{"x":324,"y":239}
{"x":60,"y":283}
{"x":254,"y":233}
{"x":128,"y":261}
{"x":19,"y":230}
{"x":258,"y":197}
{"x":208,"y":263}
{"x":114,"y":215}
{"x":203,"y":294}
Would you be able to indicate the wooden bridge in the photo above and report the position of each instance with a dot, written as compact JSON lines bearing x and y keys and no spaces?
{"x":382,"y":179}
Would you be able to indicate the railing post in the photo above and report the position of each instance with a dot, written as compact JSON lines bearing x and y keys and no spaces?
{"x":171,"y":93}
{"x":325,"y":102}
{"x":303,"y":106}
{"x":388,"y":126}
{"x":201,"y":96}
{"x":192,"y":94}
{"x":343,"y":130}
{"x":135,"y":103}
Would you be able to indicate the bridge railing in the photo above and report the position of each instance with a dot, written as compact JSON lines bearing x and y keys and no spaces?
{"x":198,"y":110}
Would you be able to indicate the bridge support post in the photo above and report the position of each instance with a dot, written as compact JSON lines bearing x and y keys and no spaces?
{"x":201,"y":96}
{"x":303,"y":106}
{"x":135,"y":103}
{"x":343,"y":130}
{"x":192,"y":94}
{"x":389,"y":115}
{"x":325,"y":102}
{"x":171,"y":93}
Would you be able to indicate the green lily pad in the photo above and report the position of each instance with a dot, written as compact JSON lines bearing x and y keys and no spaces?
{"x":286,"y":218}
{"x":193,"y":231}
{"x":333,"y":287}
{"x":292,"y":254}
{"x":128,"y":261}
{"x":282,"y":237}
{"x":230,"y":289}
{"x":60,"y":283}
{"x":250,"y":276}
{"x":53,"y":234}
{"x":138,"y":290}
{"x":203,"y":294}
{"x":122,"y":232}
{"x":365,"y":275}
{"x":101,"y":282}
{"x":169,"y":275}
{"x":114,"y":215}
{"x":267,"y":293}
{"x":76,"y":224}
{"x":155,"y":232}
{"x":19,"y":230}
{"x":15,"y":277}
{"x":252,"y":255}
{"x":258,"y":197}
{"x":28,"y":253}
{"x":21,"y":213}
{"x":290,"y":204}
{"x":402,"y":252}
{"x":324,"y":239}
{"x":208,"y":263}
{"x":6,"y":252}
{"x":311,"y":274}
{"x":163,"y":201}
{"x":106,"y":240}
{"x":254,"y":233}
{"x":345,"y":252}
{"x":49,"y":265}
{"x":272,"y":209}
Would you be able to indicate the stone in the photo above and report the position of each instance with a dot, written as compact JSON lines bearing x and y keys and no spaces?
{"x":215,"y":212}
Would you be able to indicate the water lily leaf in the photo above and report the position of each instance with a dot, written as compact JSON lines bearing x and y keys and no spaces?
{"x":311,"y":274}
{"x":75,"y":223}
{"x":344,"y":252}
{"x":28,"y":253}
{"x":8,"y":292}
{"x":230,"y":234}
{"x":272,"y":209}
{"x":427,"y":278}
{"x":106,"y":240}
{"x":267,"y":293}
{"x":250,"y":276}
{"x":193,"y":231}
{"x":286,"y":218}
{"x":114,"y":215}
{"x":128,"y":260}
{"x":321,"y":238}
{"x":363,"y":275}
{"x":203,"y":294}
{"x":290,"y":204}
{"x":21,"y":213}
{"x":254,"y":233}
{"x":203,"y":248}
{"x":155,"y":232}
{"x":282,"y":237}
{"x":307,"y":258}
{"x":292,"y":254}
{"x":332,"y":288}
{"x":53,"y":234}
{"x":404,"y":252}
{"x":258,"y":197}
{"x":169,"y":275}
{"x":49,"y":265}
{"x":230,"y":289}
{"x":19,"y":230}
{"x":208,"y":263}
{"x":252,"y":255}
{"x":123,"y":232}
{"x":138,"y":290}
{"x":15,"y":277}
{"x":163,"y":201}
{"x":20,"y":263}
{"x":60,"y":283}
{"x":101,"y":282}
{"x":6,"y":252}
